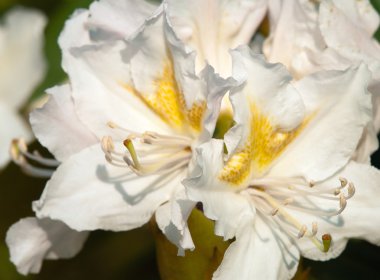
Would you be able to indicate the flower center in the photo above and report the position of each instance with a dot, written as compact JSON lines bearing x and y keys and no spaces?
{"x":149,"y":152}
{"x":285,"y":199}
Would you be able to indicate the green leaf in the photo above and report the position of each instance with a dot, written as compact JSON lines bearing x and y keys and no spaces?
{"x":196,"y":265}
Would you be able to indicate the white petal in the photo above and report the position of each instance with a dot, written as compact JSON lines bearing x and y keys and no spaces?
{"x":221,"y":204}
{"x":184,"y":65}
{"x":360,"y":219}
{"x":22,"y":64}
{"x":213,"y":27}
{"x":87,"y":193}
{"x":359,"y":13}
{"x":99,"y":76}
{"x":368,"y":144}
{"x":205,"y":86}
{"x":267,"y":88}
{"x":294,"y":34}
{"x":31,"y":240}
{"x":259,"y":252}
{"x":127,"y":17}
{"x":359,"y":46}
{"x":179,"y":237}
{"x":339,"y":107}
{"x":57,"y":126}
{"x":11,"y":126}
{"x":74,"y":34}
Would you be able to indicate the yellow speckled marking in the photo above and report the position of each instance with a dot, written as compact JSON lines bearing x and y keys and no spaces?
{"x":263,"y":145}
{"x":168,"y":102}
{"x":195,"y":115}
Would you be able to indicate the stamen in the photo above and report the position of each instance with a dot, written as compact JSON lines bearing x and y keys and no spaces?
{"x":314,"y":229}
{"x":274,"y":212}
{"x":342,"y":203}
{"x":302,"y":231}
{"x":351,"y":190}
{"x":268,"y":192}
{"x":343,"y":181}
{"x":19,"y":154}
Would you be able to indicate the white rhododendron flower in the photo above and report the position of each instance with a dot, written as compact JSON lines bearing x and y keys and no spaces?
{"x":22,"y":67}
{"x":308,"y":36}
{"x":287,"y":186}
{"x":124,"y":128}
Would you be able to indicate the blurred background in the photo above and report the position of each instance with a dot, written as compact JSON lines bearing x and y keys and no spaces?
{"x":124,"y":255}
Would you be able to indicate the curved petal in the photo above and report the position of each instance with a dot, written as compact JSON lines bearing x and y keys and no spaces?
{"x":368,"y":144}
{"x":339,"y":107}
{"x":202,"y":185}
{"x":360,"y":46}
{"x":31,"y":240}
{"x":11,"y":126}
{"x":87,"y":193}
{"x":127,"y":17}
{"x":179,"y":237}
{"x":213,"y":27}
{"x":360,"y":219}
{"x":22,"y":64}
{"x":348,"y":18}
{"x":207,"y":86}
{"x":267,"y":92}
{"x":74,"y":34}
{"x":294,"y":36}
{"x":57,"y":126}
{"x":259,"y":252}
{"x":99,"y":79}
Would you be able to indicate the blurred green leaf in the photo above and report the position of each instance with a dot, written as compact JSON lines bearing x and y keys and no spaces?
{"x":199,"y":264}
{"x":376,"y":5}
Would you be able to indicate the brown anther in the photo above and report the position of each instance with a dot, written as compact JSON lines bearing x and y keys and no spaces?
{"x":274,"y":212}
{"x":343,"y":182}
{"x":302,"y":231}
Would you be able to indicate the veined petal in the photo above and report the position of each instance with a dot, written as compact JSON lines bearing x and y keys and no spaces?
{"x":11,"y":126}
{"x":31,"y":240}
{"x":213,"y":27}
{"x":127,"y":17}
{"x":340,"y":108}
{"x":22,"y":64}
{"x":360,"y":218}
{"x":57,"y":126}
{"x":259,"y":252}
{"x":87,"y":193}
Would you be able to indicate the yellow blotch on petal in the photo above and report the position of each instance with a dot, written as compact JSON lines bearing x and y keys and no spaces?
{"x":195,"y":115}
{"x":168,"y":102}
{"x":264,"y":144}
